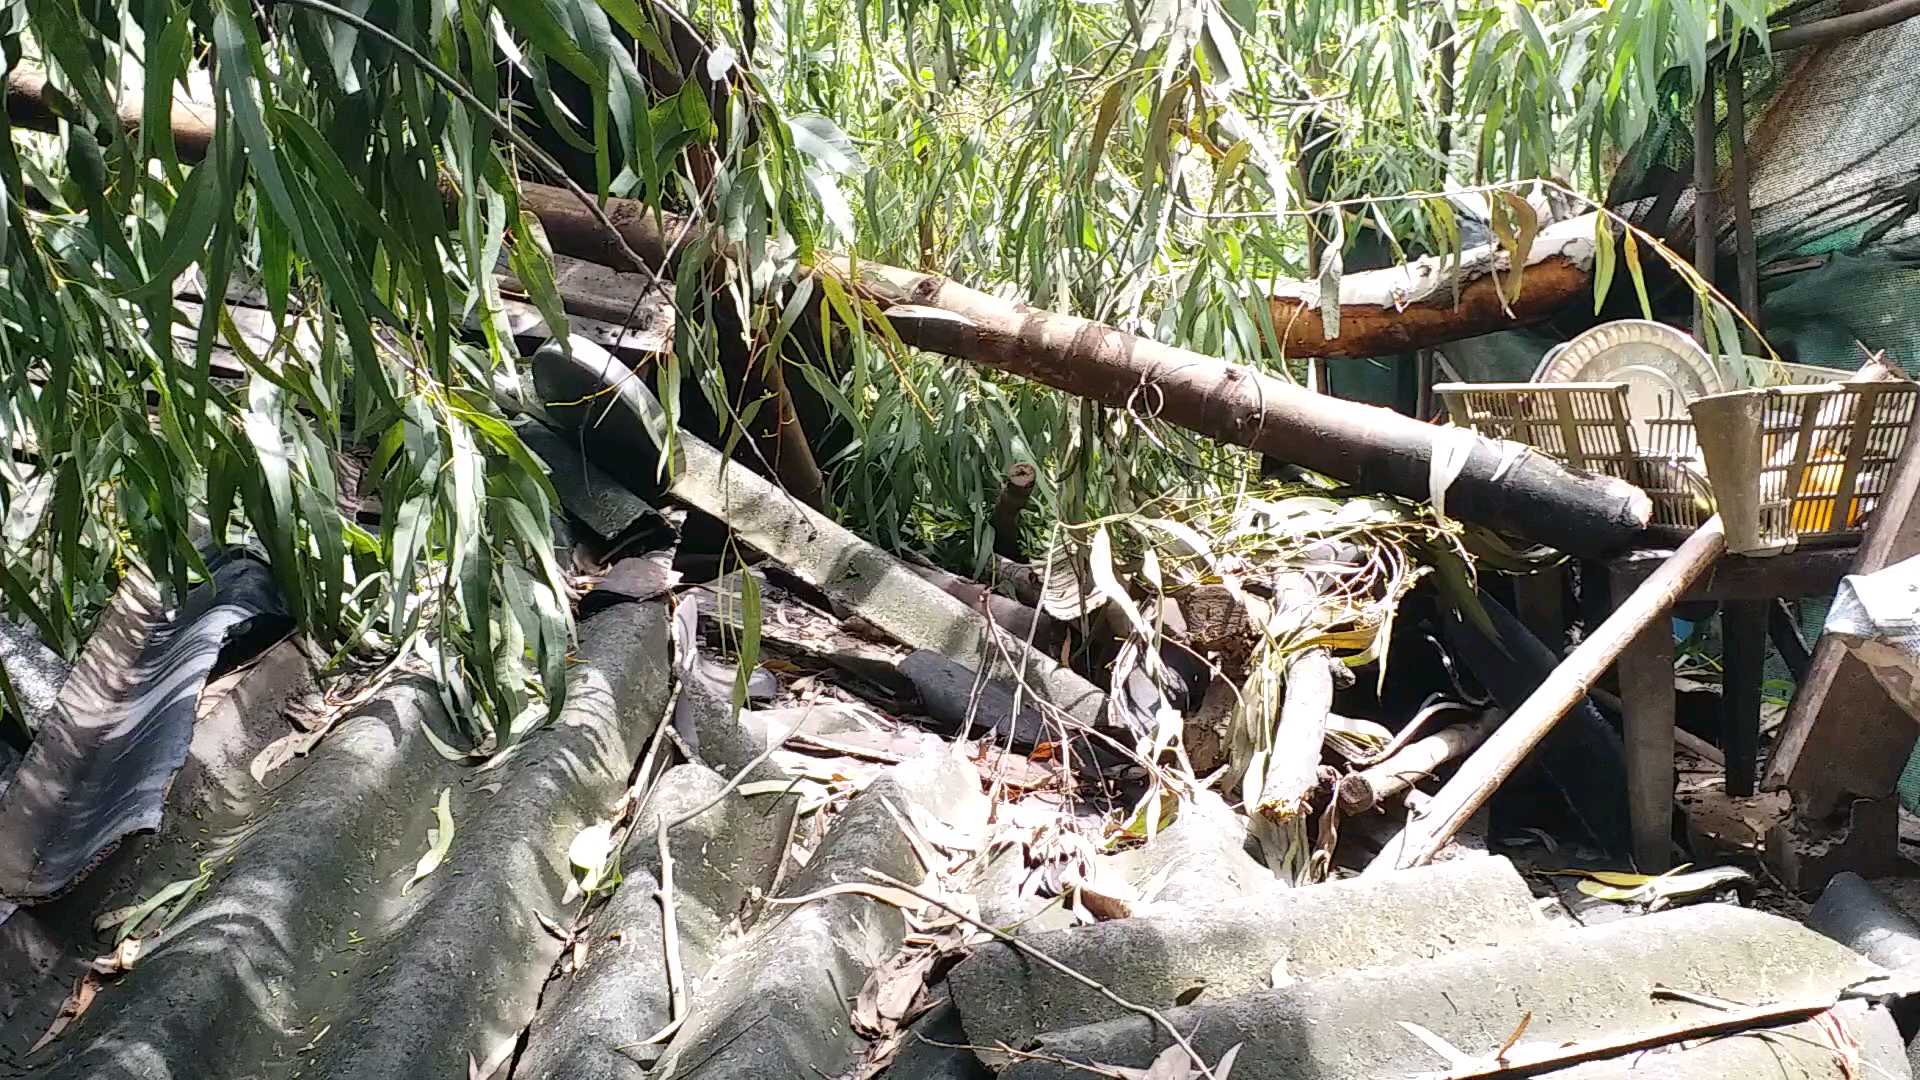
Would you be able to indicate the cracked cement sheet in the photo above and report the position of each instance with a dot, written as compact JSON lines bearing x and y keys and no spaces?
{"x":99,"y":769}
{"x":815,"y":548}
{"x":1587,"y":985}
{"x":308,"y":954}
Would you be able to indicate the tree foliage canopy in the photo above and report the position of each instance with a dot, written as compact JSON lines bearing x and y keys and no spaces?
{"x":1156,"y":164}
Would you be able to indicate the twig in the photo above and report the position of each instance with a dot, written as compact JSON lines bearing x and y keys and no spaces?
{"x":1527,"y":1060}
{"x":735,"y":781}
{"x":670,"y":934}
{"x":1028,"y":951}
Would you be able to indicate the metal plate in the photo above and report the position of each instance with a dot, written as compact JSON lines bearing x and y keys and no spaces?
{"x":1662,"y":367}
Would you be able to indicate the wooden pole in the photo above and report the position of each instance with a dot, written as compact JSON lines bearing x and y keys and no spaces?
{"x":1746,"y":255}
{"x":1497,"y":758}
{"x":1704,"y":211}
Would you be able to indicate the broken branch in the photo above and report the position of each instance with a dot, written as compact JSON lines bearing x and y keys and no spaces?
{"x":1403,"y":308}
{"x":1361,"y":791}
{"x":1502,"y":485}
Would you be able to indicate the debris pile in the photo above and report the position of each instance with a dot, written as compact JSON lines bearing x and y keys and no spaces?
{"x":1134,"y":809}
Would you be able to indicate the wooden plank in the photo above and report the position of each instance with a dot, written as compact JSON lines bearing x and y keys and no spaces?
{"x":1857,"y":747}
{"x":1810,"y":571}
{"x":1784,"y":630}
{"x":1743,"y":632}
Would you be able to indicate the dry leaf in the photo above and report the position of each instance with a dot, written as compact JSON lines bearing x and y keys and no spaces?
{"x":120,"y":959}
{"x":886,"y":1000}
{"x":1455,"y":1059}
{"x":1172,"y":1064}
{"x":439,"y":841}
{"x":70,"y":1009}
{"x":1519,"y":1030}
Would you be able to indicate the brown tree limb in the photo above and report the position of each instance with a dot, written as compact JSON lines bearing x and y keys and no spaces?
{"x":1404,"y":308}
{"x":1361,"y":791}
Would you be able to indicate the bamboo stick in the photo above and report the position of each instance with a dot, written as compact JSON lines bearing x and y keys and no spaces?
{"x":1293,"y":766}
{"x":1497,"y":758}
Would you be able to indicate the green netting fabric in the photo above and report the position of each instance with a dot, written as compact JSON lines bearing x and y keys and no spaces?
{"x":1833,"y":137}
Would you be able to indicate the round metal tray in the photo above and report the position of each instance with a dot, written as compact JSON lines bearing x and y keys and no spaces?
{"x":1663,"y":367}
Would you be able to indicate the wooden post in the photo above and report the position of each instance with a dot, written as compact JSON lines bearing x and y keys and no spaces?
{"x":1746,"y":257}
{"x":1646,"y":691}
{"x":1703,"y":198}
{"x":1743,"y":636}
{"x":1638,"y":617}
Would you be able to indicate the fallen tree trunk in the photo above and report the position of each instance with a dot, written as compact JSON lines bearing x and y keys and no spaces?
{"x":1403,"y":308}
{"x":1501,"y":485}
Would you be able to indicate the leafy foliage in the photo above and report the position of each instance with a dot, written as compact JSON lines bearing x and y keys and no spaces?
{"x":241,"y":343}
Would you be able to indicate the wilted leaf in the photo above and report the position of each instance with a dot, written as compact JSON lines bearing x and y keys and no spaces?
{"x":590,"y":853}
{"x":439,"y":841}
{"x":70,"y":1009}
{"x":1172,"y":1064}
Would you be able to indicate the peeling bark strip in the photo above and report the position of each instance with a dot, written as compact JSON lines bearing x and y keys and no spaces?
{"x":1375,"y":449}
{"x":1403,"y":308}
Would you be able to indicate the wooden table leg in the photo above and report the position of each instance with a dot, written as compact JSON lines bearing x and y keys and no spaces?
{"x":1646,"y":691}
{"x":1743,"y":636}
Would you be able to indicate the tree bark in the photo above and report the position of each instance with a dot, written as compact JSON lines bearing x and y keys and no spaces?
{"x":1404,"y":308}
{"x":1015,"y":492}
{"x":1501,"y":486}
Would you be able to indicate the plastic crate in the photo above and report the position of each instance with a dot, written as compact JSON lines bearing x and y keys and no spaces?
{"x":1797,"y":463}
{"x":1775,"y":463}
{"x":1588,"y":426}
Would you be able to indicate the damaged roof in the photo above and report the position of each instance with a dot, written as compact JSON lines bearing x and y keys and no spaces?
{"x":372,"y":903}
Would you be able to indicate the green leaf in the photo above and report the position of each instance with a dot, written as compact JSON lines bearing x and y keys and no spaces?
{"x":1603,"y":257}
{"x":532,"y":262}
